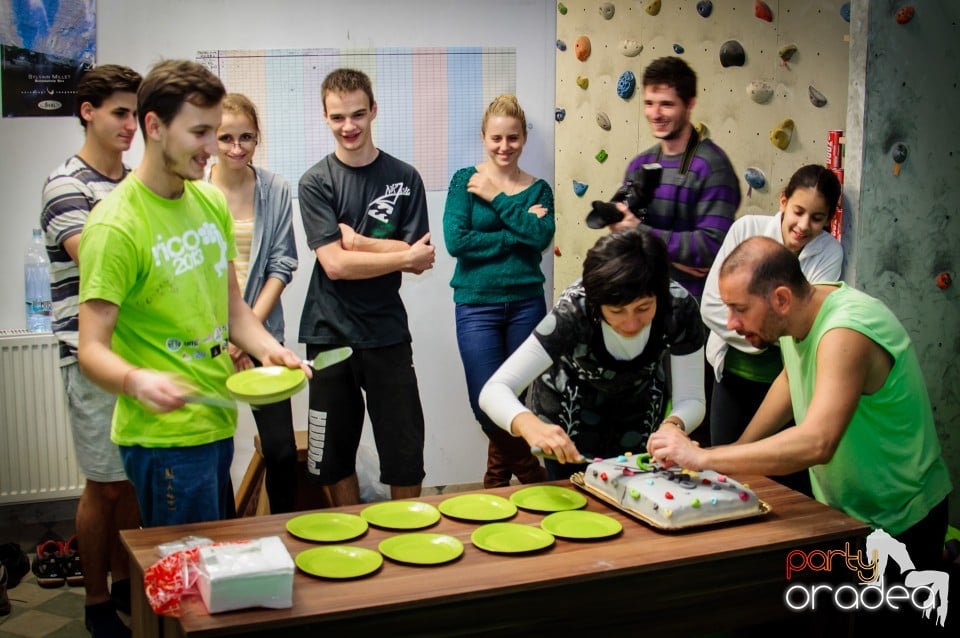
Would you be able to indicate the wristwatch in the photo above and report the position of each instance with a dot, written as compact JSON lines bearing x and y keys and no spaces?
{"x":677,"y":422}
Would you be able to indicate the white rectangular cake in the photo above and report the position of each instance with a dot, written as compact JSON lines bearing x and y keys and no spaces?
{"x":670,"y":498}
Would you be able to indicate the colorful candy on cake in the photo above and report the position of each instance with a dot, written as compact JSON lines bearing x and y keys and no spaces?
{"x":672,"y":497}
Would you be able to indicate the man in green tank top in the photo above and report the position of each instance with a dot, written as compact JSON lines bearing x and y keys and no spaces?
{"x":853,"y":384}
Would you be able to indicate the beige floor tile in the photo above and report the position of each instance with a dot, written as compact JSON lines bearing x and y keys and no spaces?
{"x":28,"y":594}
{"x":34,"y":623}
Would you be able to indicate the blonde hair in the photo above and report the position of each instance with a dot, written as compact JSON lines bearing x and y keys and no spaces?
{"x":505,"y":105}
{"x":242,"y":105}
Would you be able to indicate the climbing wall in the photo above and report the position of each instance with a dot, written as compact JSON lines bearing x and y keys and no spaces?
{"x":798,"y":44}
{"x":902,"y":236}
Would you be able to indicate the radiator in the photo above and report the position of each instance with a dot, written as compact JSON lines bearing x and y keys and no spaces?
{"x":37,"y":461}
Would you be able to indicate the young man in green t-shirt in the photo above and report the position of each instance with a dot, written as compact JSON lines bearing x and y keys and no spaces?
{"x":159,"y":302}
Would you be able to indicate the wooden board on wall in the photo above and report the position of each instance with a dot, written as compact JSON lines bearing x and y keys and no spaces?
{"x":740,"y":126}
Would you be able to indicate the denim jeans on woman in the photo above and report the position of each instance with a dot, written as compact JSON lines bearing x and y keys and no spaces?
{"x":486,"y":335}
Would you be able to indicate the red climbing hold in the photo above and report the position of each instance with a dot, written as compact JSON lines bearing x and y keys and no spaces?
{"x":763,"y":11}
{"x":905,"y":14}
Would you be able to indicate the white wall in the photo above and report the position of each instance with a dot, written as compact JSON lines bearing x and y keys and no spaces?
{"x":138,"y":33}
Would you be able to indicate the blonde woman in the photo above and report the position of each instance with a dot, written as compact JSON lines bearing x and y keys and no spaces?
{"x":497,"y":222}
{"x":266,"y":259}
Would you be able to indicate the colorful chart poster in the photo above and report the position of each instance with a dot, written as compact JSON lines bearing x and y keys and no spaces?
{"x":45,"y":47}
{"x":429,"y":102}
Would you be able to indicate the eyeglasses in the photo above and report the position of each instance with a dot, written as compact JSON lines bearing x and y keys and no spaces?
{"x":246,"y":140}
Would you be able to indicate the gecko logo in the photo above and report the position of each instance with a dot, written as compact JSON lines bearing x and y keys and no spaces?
{"x":924,"y":590}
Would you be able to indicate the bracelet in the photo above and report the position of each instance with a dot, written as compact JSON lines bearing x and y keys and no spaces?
{"x":123,"y":384}
{"x":677,"y":422}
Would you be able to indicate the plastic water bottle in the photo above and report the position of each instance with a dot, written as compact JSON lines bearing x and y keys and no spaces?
{"x":36,"y":283}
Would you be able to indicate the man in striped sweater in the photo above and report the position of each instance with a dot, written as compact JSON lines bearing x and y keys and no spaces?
{"x":107,"y":109}
{"x":695,"y":203}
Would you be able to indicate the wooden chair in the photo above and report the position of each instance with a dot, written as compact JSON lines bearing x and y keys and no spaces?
{"x":251,"y":497}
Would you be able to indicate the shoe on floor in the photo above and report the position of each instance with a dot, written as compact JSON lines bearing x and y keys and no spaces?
{"x":48,"y":564}
{"x":120,"y":595}
{"x":16,"y":562}
{"x":4,"y":600}
{"x":72,"y":570}
{"x":102,"y":621}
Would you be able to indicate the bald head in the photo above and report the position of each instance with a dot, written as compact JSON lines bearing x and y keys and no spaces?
{"x":769,"y":265}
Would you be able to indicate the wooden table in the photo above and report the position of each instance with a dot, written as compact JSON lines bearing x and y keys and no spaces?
{"x":690,"y":581}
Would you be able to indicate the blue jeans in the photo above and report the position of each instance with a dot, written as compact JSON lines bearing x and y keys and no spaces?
{"x":181,"y":484}
{"x":487,"y":334}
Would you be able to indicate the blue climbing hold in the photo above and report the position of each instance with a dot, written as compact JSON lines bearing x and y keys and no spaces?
{"x":677,"y":49}
{"x":559,"y":114}
{"x":561,"y":45}
{"x":579,"y":188}
{"x":845,"y":11}
{"x":704,"y":8}
{"x":626,"y":85}
{"x":754,"y":178}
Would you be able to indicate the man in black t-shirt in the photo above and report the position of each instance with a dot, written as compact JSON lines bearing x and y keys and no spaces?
{"x":365,"y":217}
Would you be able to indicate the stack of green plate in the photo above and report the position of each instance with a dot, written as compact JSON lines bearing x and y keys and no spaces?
{"x":269,"y":384}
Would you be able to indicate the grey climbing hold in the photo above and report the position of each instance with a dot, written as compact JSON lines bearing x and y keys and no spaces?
{"x":603,"y":121}
{"x":704,"y":8}
{"x":626,"y":85}
{"x":607,"y":10}
{"x":630,"y":48}
{"x":817,"y":98}
{"x":760,"y":91}
{"x":732,"y":54}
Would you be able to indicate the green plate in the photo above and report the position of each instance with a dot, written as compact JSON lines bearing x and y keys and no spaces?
{"x":421,"y":548}
{"x":510,"y":538}
{"x":327,"y":527}
{"x":548,"y":498}
{"x":339,"y":561}
{"x":581,"y":524}
{"x":478,"y":507}
{"x":401,"y":515}
{"x":273,"y":382}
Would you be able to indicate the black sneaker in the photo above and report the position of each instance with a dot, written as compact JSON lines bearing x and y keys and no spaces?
{"x":48,"y":564}
{"x":72,"y":570}
{"x":16,"y":562}
{"x":4,"y":600}
{"x":102,"y":621}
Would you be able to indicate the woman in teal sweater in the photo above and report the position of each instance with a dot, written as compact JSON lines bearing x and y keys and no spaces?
{"x":497,"y":222}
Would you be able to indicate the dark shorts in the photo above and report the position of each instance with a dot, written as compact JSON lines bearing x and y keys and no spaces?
{"x":388,"y":381}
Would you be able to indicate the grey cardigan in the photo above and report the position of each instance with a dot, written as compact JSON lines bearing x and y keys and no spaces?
{"x":273,"y":250}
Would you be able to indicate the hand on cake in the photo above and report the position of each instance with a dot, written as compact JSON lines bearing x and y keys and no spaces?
{"x":551,"y":439}
{"x":670,"y":446}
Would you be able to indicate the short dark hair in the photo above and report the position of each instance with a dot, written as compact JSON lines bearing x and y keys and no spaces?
{"x":99,"y":83}
{"x":345,"y":81}
{"x":625,"y":266}
{"x":673,"y":72}
{"x":171,"y":83}
{"x":819,"y":178}
{"x":771,"y":265}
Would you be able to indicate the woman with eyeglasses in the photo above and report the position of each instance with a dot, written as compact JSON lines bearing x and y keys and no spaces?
{"x":266,"y":259}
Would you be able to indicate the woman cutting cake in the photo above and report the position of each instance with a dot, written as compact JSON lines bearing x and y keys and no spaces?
{"x":619,"y":356}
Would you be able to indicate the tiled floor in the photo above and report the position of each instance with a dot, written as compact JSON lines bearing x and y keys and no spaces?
{"x":37,"y":612}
